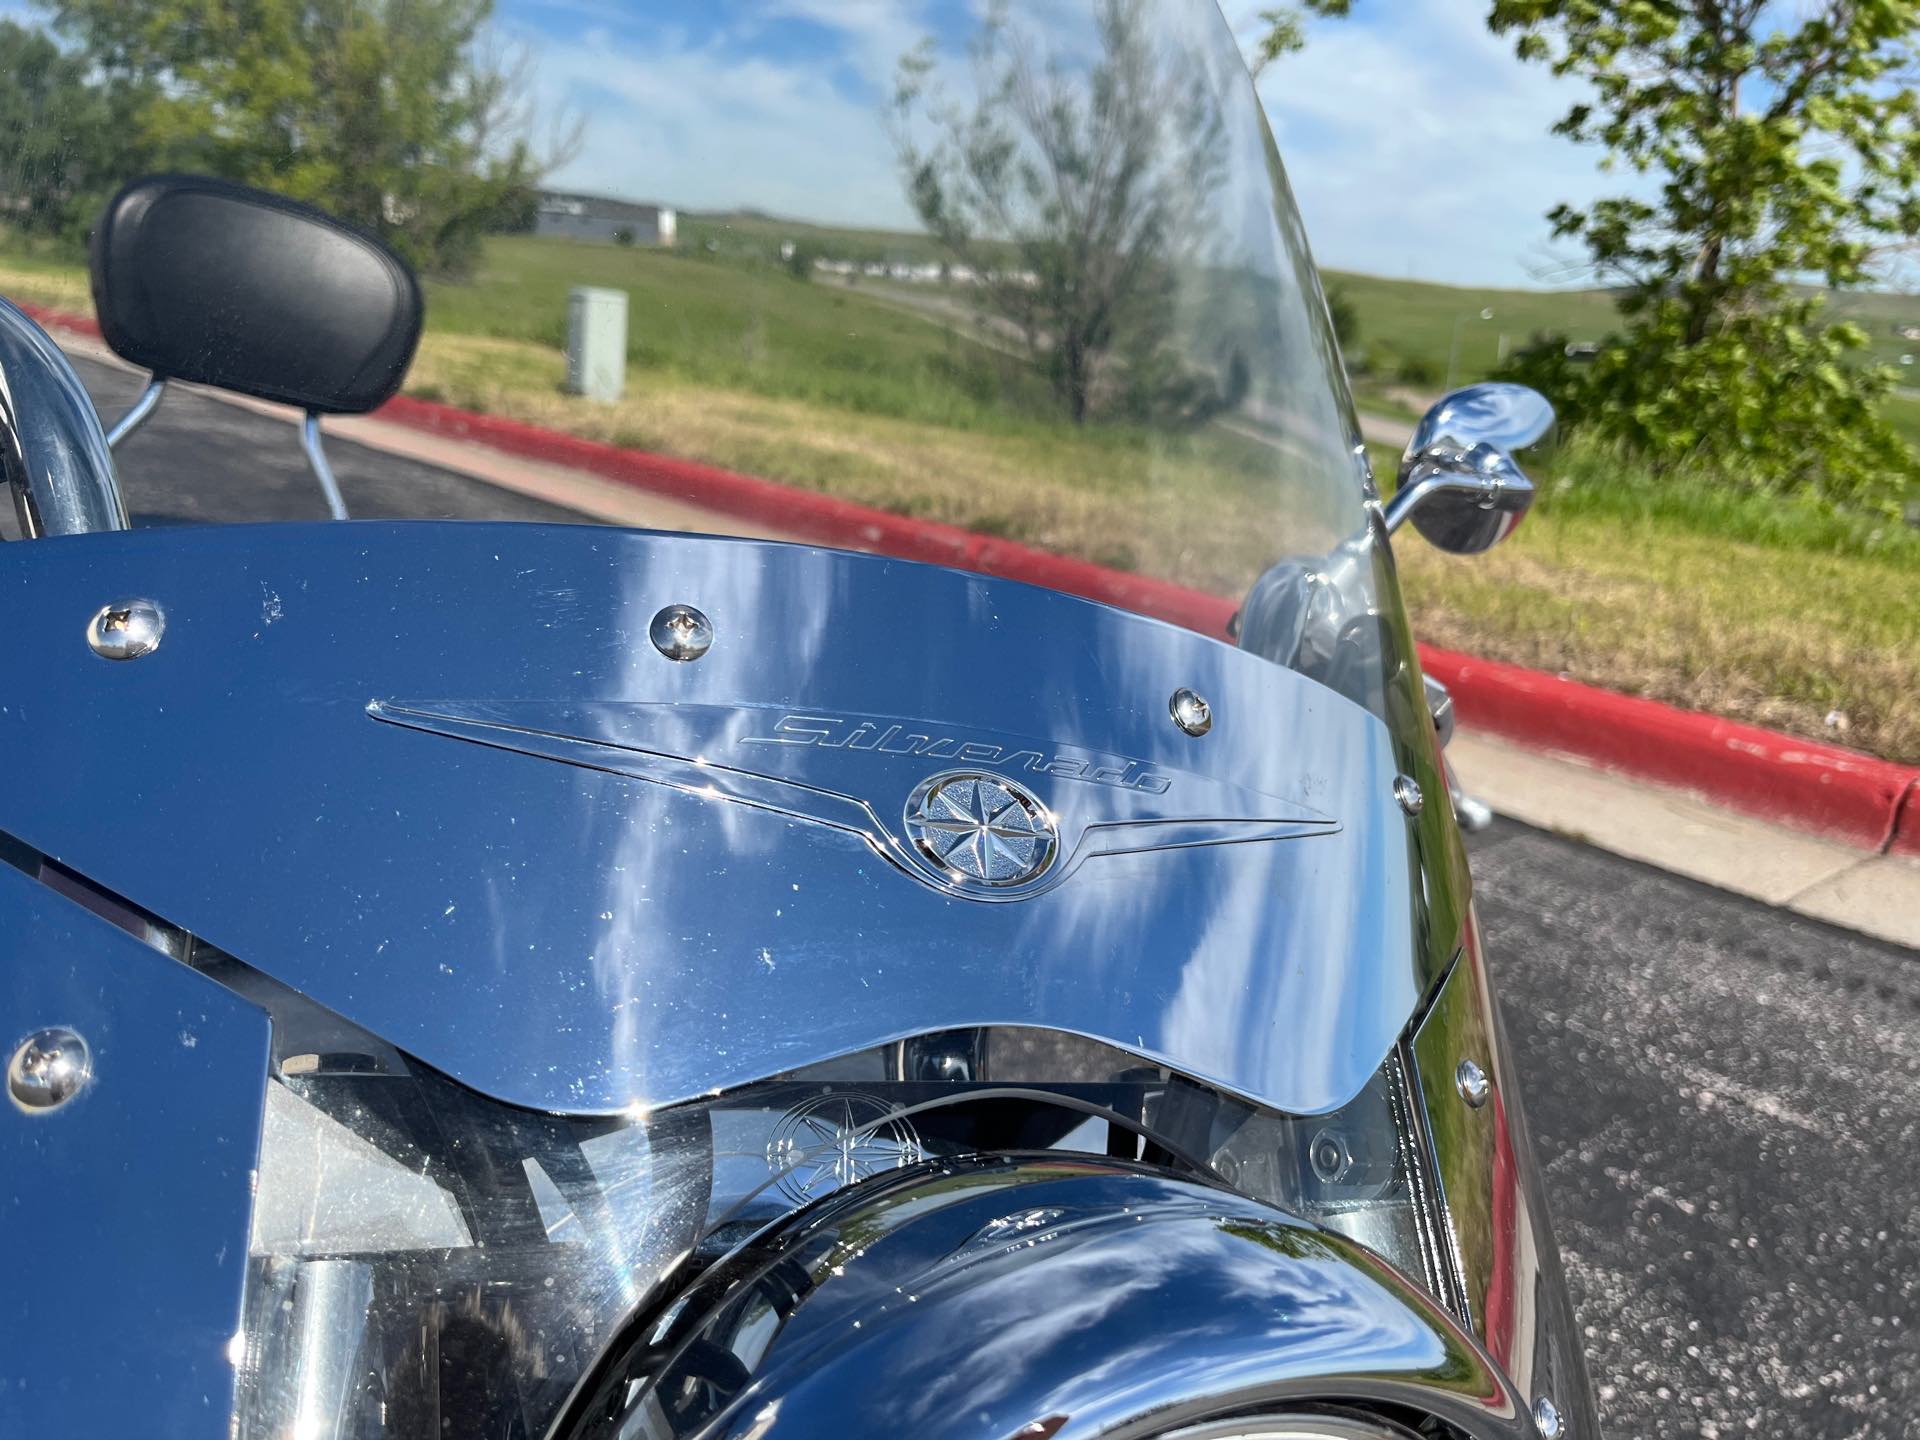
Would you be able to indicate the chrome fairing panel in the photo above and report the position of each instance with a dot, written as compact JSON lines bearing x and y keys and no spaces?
{"x":1509,"y":1263}
{"x":1039,"y":1296}
{"x":437,"y":778}
{"x":124,"y":1212}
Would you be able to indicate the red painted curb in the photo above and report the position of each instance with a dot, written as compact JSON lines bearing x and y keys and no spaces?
{"x":820,"y":518}
{"x":1842,"y":793}
{"x":1906,"y":824}
{"x":1858,"y":798}
{"x":62,"y":319}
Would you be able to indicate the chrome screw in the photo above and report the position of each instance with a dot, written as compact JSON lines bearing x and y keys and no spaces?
{"x":1191,"y":713}
{"x":1406,"y":790}
{"x":1472,"y":1083}
{"x":681,"y":632}
{"x":48,"y":1069}
{"x":1546,"y":1418}
{"x":126,"y":629}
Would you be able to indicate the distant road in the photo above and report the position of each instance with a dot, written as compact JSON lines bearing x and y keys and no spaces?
{"x":1727,"y":1097}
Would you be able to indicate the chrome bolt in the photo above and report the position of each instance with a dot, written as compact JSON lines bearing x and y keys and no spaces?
{"x":1546,"y":1418}
{"x":1472,"y":1083}
{"x":1406,"y":790}
{"x":48,"y":1069}
{"x":681,"y":632}
{"x":1191,"y":713}
{"x":126,"y":629}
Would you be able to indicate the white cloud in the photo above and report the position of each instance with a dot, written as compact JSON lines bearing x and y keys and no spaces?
{"x":1420,"y":146}
{"x":694,"y":126}
{"x":876,"y":32}
{"x":1417,"y":145}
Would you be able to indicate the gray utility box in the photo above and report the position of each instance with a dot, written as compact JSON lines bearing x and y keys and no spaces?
{"x":596,"y":343}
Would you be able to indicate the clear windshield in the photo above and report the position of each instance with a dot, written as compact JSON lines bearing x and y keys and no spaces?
{"x":1032,"y":271}
{"x":1029,"y":271}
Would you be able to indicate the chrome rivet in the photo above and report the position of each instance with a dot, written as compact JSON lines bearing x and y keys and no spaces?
{"x":1546,"y":1418}
{"x":681,"y":632}
{"x":1190,"y":712}
{"x":48,"y":1069}
{"x":1406,"y":790}
{"x":1472,"y":1083}
{"x":126,"y":629}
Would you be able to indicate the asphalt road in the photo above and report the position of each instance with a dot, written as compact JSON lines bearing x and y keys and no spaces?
{"x":1726,"y":1096}
{"x":199,"y":459}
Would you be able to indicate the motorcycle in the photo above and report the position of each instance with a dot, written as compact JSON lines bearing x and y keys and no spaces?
{"x":469,"y":979}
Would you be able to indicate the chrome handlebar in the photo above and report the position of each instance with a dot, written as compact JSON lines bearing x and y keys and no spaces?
{"x":53,"y":452}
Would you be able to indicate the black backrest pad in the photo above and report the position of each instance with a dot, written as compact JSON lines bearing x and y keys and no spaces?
{"x":207,"y":281}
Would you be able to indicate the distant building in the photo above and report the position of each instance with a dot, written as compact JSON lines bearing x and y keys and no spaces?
{"x":608,"y":222}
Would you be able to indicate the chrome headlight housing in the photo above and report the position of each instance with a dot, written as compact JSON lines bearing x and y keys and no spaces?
{"x":425,"y":1261}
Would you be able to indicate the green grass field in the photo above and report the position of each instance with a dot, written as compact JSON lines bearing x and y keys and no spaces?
{"x":1770,"y":612}
{"x":738,"y":324}
{"x":1442,"y":327}
{"x":1433,"y":323}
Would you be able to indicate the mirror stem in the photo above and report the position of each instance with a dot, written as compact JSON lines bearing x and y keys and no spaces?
{"x":148,"y":402}
{"x":323,"y":472}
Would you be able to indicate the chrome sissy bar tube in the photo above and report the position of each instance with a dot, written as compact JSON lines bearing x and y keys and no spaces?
{"x":54,"y":455}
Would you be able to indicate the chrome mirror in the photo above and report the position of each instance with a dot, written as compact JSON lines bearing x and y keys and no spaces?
{"x":1460,"y":483}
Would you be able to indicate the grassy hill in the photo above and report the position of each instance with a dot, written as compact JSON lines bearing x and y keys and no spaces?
{"x":727,"y":320}
{"x":750,"y":233}
{"x":1431,"y":324}
{"x":1411,"y":319}
{"x":724,"y":323}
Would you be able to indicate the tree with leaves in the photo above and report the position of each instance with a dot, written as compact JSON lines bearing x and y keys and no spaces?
{"x":1781,"y":139}
{"x":1282,"y":29}
{"x":1068,"y":193}
{"x":59,"y":136}
{"x":398,"y":115}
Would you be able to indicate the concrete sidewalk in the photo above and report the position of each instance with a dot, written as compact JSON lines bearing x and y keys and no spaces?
{"x":1877,"y":895}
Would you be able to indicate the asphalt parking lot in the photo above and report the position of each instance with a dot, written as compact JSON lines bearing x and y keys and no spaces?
{"x":1726,"y":1096}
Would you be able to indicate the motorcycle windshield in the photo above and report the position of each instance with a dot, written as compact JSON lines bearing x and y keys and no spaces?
{"x":1028,"y":276}
{"x":592,"y":820}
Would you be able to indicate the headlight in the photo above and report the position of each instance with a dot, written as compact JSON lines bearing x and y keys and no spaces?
{"x":426,"y":1262}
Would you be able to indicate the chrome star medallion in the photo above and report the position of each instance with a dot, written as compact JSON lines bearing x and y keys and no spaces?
{"x":980,"y":831}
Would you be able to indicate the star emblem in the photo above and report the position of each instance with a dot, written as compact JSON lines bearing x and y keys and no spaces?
{"x":836,"y":1140}
{"x":981,"y":829}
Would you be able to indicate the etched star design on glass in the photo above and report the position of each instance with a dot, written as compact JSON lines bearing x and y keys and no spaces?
{"x":983,"y":829}
{"x":838,"y":1139}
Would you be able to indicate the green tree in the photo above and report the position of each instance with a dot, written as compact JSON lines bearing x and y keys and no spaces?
{"x":398,"y":115}
{"x":57,"y":135}
{"x":1783,"y":144}
{"x":1282,"y":29}
{"x":1067,"y":192}
{"x":1344,"y":314}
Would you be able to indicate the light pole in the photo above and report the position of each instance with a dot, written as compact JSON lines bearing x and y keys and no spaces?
{"x":1453,"y":353}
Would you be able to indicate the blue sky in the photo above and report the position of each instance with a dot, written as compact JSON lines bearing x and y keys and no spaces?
{"x":1419,"y":146}
{"x":1416,"y":143}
